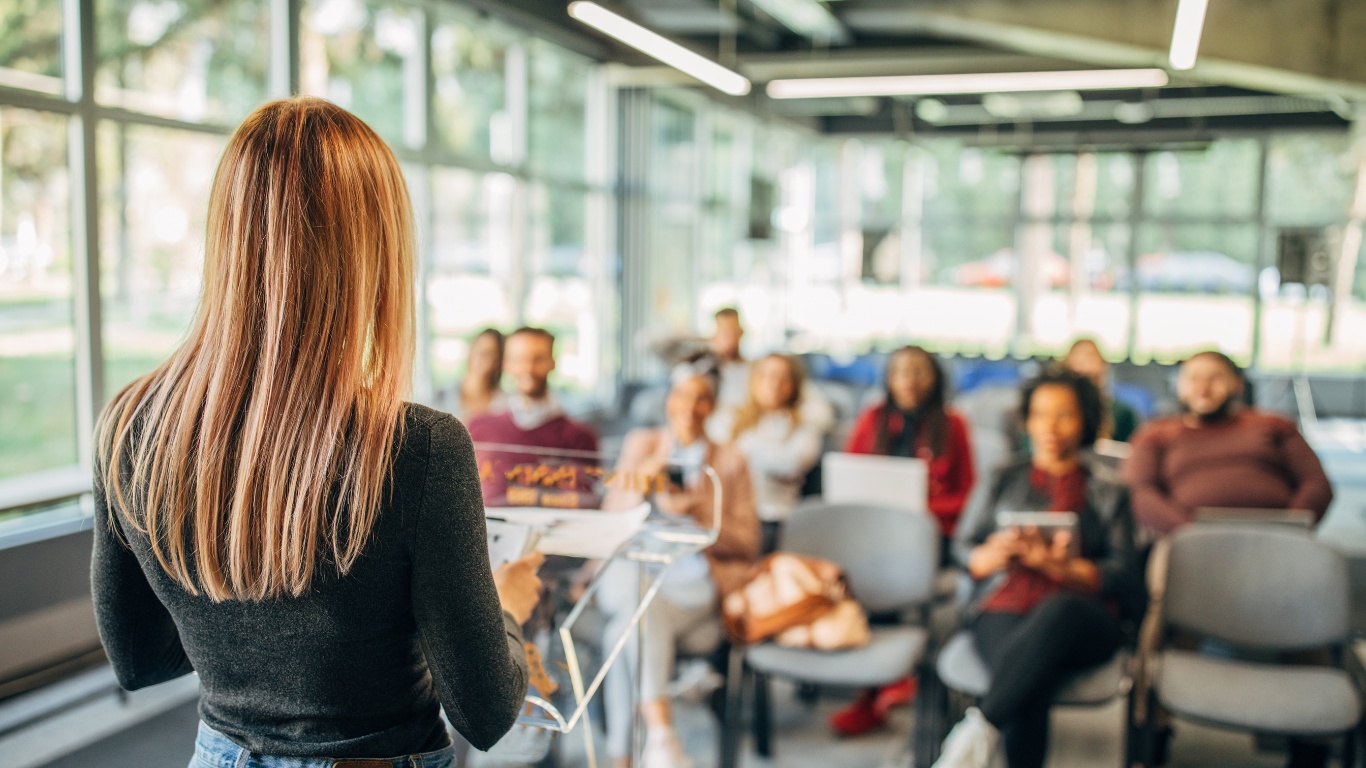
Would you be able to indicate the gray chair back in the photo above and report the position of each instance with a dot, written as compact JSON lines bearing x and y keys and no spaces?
{"x":890,"y":557}
{"x":1260,"y":587}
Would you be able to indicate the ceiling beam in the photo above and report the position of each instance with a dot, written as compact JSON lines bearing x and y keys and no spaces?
{"x":1303,"y":47}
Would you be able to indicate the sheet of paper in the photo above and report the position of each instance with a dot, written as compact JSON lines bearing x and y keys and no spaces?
{"x":510,"y":541}
{"x":592,"y":534}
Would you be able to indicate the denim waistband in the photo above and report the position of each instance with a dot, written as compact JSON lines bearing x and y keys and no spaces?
{"x":214,"y":750}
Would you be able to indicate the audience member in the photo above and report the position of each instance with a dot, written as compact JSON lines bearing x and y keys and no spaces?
{"x":533,"y":418}
{"x":779,"y":445}
{"x":732,"y":367}
{"x":1220,"y":453}
{"x":734,"y":382}
{"x":1045,"y":607}
{"x":913,"y":420}
{"x":685,"y":614}
{"x":479,"y":392}
{"x":1084,"y":358}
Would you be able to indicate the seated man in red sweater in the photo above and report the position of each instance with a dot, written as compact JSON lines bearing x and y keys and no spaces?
{"x":533,"y":419}
{"x":1220,"y":453}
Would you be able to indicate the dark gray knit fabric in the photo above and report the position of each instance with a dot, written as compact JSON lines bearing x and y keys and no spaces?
{"x":359,"y":666}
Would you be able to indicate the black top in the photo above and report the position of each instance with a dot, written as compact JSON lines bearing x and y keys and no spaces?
{"x":360,"y":665}
{"x":1105,"y":527}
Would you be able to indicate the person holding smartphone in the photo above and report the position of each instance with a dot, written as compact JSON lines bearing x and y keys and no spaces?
{"x":1049,"y":603}
{"x":271,"y":513}
{"x":686,"y":613}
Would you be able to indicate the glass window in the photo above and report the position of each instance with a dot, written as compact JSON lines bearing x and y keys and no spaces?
{"x":183,"y":58}
{"x":1309,"y":178}
{"x":153,"y":207}
{"x":471,"y":267}
{"x":472,"y":62}
{"x":1195,"y":285}
{"x":31,"y":45}
{"x":367,"y":57}
{"x":1219,"y":181}
{"x":673,"y":156}
{"x":561,"y":286}
{"x":37,"y":339}
{"x":969,"y":181}
{"x":558,"y":111}
{"x":973,"y":264}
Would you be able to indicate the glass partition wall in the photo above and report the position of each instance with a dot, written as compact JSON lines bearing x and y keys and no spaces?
{"x":113,"y":115}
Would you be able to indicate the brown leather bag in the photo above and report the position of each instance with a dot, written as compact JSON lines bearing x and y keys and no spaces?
{"x":787,"y":596}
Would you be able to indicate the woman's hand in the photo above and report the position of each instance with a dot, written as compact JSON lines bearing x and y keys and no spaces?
{"x":519,"y":588}
{"x":1045,"y":556}
{"x":994,"y":554}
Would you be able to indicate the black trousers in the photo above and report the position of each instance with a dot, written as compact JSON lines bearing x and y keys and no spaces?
{"x":1029,"y":656}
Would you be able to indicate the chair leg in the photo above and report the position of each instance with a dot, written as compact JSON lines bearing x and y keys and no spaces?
{"x":763,"y":716}
{"x":1349,"y":749}
{"x":732,"y":723}
{"x":808,"y":694}
{"x":931,"y":702}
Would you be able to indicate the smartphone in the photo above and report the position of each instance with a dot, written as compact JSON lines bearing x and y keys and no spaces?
{"x":676,"y":477}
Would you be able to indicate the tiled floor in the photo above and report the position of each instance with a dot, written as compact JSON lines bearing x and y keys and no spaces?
{"x":1082,"y":738}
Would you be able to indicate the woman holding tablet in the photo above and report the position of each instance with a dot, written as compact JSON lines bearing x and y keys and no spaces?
{"x":913,"y":420}
{"x":1050,"y":598}
{"x":271,"y":514}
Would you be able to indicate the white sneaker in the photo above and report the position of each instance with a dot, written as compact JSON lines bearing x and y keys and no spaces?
{"x":696,"y":681}
{"x":664,"y":750}
{"x":973,"y":743}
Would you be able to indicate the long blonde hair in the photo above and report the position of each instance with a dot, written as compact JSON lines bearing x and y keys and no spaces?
{"x":749,"y":414}
{"x":262,"y":446}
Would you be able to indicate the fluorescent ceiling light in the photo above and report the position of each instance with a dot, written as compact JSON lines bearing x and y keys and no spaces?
{"x":660,"y":47}
{"x":805,"y":17}
{"x":1190,"y":21}
{"x":997,"y":82}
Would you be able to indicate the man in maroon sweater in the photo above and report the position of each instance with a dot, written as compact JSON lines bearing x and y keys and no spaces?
{"x":533,"y":419}
{"x":1220,"y":454}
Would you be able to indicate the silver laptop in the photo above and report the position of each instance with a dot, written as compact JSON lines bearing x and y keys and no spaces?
{"x":1298,"y":518}
{"x":887,"y":481}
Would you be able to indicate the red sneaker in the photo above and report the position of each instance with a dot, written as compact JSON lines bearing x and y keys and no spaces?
{"x":858,"y":718}
{"x":898,"y":694}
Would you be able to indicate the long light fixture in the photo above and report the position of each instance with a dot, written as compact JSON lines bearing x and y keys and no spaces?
{"x":995,"y":82}
{"x":1190,"y":21}
{"x":659,"y":47}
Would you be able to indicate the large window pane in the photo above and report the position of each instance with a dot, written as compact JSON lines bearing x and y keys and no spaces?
{"x":31,"y":45}
{"x":969,"y":181}
{"x":37,"y":341}
{"x":558,"y":113}
{"x":1219,"y":181}
{"x":189,"y":59}
{"x":152,"y":213}
{"x":471,"y":64}
{"x":472,"y":269}
{"x":1195,"y":283}
{"x":367,"y":57}
{"x":1309,"y":178}
{"x":561,"y":290}
{"x":973,"y":263}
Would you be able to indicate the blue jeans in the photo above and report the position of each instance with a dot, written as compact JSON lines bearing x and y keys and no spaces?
{"x":214,"y":750}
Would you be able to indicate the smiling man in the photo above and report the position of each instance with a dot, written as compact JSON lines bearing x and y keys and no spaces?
{"x":1220,"y":453}
{"x":533,"y":417}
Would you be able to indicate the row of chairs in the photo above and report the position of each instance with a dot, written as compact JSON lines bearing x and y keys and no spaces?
{"x":1265,"y":591}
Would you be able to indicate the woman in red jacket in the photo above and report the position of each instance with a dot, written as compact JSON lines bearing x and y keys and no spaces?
{"x":913,"y":420}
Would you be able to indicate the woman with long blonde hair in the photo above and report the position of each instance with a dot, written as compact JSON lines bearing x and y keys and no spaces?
{"x":780,"y":445}
{"x":272,"y":514}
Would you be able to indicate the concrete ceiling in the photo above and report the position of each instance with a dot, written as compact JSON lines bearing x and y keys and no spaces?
{"x":1253,"y":54}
